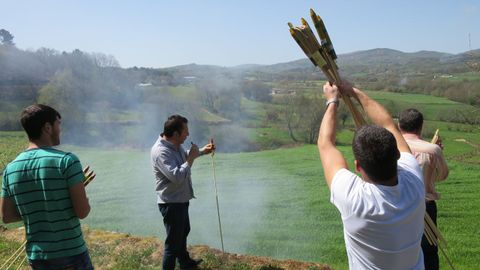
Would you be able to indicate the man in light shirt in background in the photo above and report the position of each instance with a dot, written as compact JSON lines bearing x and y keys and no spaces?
{"x":431,"y":160}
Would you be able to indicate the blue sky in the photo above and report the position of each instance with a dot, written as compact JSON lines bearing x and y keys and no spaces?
{"x":228,"y":33}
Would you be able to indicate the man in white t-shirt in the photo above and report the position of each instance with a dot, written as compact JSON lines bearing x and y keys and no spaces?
{"x":383,"y":210}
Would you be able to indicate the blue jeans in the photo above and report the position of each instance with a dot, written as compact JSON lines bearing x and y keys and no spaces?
{"x":77,"y":262}
{"x":177,"y":225}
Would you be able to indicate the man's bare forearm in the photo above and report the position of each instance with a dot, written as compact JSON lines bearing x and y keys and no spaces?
{"x":328,"y":127}
{"x":8,"y":211}
{"x":380,"y":116}
{"x":376,"y":112}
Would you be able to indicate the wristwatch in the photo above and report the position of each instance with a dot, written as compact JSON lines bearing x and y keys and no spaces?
{"x":332,"y":100}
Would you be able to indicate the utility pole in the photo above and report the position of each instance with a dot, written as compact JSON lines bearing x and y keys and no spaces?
{"x":469,"y":42}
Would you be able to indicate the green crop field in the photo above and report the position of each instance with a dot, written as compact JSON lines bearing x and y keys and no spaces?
{"x":274,"y":203}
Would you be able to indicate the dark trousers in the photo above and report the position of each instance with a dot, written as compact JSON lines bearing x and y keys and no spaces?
{"x":430,"y":253}
{"x":177,"y":225}
{"x":77,"y":262}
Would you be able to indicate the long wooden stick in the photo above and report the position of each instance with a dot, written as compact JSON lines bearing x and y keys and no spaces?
{"x":14,"y":255}
{"x":21,"y":262}
{"x":216,"y":199}
{"x":435,"y":136}
{"x":435,"y":230}
{"x":429,"y":235}
{"x":446,"y":257}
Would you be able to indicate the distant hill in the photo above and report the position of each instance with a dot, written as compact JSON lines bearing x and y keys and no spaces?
{"x":361,"y":63}
{"x":375,"y":59}
{"x":100,"y":79}
{"x":387,"y":56}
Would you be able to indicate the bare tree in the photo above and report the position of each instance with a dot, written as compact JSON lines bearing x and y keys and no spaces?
{"x":303,"y":116}
{"x":290,"y":116}
{"x":103,"y":60}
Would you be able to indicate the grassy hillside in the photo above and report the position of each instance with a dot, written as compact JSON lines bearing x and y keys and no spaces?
{"x":433,"y":108}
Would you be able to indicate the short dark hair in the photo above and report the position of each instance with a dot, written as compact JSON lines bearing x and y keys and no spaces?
{"x":174,"y":124}
{"x":35,"y":116}
{"x":375,"y":150}
{"x":410,"y":120}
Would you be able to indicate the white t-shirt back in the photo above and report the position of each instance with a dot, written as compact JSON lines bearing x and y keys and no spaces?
{"x":383,"y":225}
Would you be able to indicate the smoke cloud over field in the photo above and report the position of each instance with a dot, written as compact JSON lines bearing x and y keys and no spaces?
{"x":119,"y":113}
{"x":123,"y":197}
{"x":106,"y":106}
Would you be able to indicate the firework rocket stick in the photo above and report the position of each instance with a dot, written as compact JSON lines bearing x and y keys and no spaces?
{"x":446,"y":258}
{"x":305,"y":28}
{"x":300,"y":39}
{"x":316,"y":59}
{"x":435,"y":230}
{"x":323,"y":34}
{"x":89,"y":176}
{"x":429,"y":235}
{"x":294,"y":35}
{"x":14,"y":256}
{"x":309,"y":33}
{"x":325,"y":39}
{"x":216,"y":197}
{"x":330,"y":69}
{"x":435,"y":137}
{"x":307,"y":43}
{"x":20,"y":264}
{"x":89,"y":179}
{"x":15,"y":259}
{"x":300,"y":43}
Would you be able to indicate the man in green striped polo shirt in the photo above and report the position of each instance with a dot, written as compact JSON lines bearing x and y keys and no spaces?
{"x":43,"y":187}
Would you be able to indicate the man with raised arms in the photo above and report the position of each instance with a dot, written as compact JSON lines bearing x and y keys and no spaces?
{"x":383,"y":209}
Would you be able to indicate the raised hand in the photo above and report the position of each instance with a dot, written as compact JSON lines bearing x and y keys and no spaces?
{"x":209,"y":148}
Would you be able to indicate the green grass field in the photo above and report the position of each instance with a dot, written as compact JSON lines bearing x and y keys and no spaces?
{"x":433,"y":108}
{"x":274,"y":203}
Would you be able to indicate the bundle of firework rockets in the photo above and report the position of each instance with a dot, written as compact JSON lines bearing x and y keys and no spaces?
{"x":323,"y":56}
{"x":16,"y":258}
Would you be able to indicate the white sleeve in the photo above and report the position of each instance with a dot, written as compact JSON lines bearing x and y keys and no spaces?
{"x":408,"y":163}
{"x":342,"y":190}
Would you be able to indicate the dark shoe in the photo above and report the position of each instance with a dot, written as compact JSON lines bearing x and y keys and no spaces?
{"x":192,"y":265}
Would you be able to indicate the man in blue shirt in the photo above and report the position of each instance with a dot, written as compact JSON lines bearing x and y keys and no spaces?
{"x":172,"y":169}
